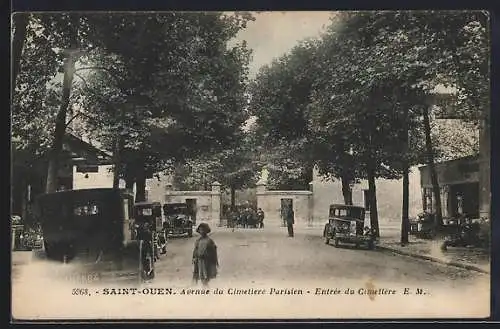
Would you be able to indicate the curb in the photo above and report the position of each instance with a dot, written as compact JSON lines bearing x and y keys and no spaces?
{"x":434,"y":259}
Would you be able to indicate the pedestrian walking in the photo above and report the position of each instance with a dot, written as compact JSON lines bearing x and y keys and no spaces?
{"x":205,"y":258}
{"x":260,"y":217}
{"x":290,"y":220}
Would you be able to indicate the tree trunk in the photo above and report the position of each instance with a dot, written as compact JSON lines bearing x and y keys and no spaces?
{"x":140,"y":192}
{"x":60,"y":129}
{"x":24,"y":200}
{"x":129,"y":177}
{"x":405,"y":221}
{"x":346,"y":190}
{"x":233,"y":196}
{"x":117,"y":162}
{"x":20,"y":24}
{"x":373,"y":201}
{"x":430,"y":162}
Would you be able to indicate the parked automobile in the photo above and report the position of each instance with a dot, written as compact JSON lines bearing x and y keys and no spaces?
{"x":151,"y":212}
{"x":32,"y":238}
{"x":346,"y":225}
{"x":423,"y":226}
{"x":95,"y":226}
{"x":463,"y":232}
{"x":178,"y":219}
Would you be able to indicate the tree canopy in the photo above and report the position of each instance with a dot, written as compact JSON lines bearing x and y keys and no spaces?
{"x":169,"y":84}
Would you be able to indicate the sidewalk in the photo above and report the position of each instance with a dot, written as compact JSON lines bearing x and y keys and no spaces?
{"x":467,"y":258}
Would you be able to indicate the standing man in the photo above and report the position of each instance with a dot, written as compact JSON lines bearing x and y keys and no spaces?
{"x":290,"y":220}
{"x":260,"y":217}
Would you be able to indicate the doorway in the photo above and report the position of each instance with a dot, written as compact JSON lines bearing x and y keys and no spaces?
{"x":285,"y":203}
{"x":191,"y":204}
{"x":464,"y":199}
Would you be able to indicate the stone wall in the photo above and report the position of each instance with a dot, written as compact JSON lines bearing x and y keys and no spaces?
{"x":389,"y":196}
{"x":270,"y":202}
{"x":208,"y":203}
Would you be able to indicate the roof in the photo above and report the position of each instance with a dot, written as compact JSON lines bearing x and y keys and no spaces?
{"x":82,"y":149}
{"x":175,"y":204}
{"x":469,"y":158}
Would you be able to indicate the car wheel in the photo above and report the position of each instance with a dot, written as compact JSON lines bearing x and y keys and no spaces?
{"x":371,"y":245}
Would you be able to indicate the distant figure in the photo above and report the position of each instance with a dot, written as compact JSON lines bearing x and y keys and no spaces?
{"x":283,"y":216}
{"x":205,"y":258}
{"x":251,"y":218}
{"x":233,"y":218}
{"x":290,"y":220}
{"x":260,"y":217}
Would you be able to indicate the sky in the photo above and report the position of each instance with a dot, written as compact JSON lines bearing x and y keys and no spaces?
{"x":273,"y":34}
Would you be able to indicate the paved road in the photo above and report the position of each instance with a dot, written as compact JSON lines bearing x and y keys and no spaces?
{"x":256,"y":258}
{"x":255,"y":254}
{"x":269,"y":254}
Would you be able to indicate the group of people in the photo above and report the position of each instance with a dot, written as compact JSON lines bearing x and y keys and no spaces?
{"x":247,"y":217}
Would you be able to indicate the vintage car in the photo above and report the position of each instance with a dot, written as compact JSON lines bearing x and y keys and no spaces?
{"x":32,"y":238}
{"x":95,"y":226}
{"x":423,"y":226}
{"x":463,"y":231}
{"x":178,"y":219}
{"x":17,"y":229}
{"x":151,"y":212}
{"x":346,"y":224}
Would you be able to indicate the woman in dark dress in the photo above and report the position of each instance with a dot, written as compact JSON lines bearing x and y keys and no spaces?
{"x":205,"y":258}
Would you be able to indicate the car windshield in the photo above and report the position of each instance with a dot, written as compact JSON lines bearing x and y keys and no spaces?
{"x":145,"y":212}
{"x":346,"y":212}
{"x":90,"y":209}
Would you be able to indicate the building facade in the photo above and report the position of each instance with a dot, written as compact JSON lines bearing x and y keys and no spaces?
{"x":459,"y":183}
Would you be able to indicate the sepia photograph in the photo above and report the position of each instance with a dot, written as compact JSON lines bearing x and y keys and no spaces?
{"x":273,"y":165}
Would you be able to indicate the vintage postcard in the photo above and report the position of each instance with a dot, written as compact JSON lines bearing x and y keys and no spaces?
{"x":250,"y":165}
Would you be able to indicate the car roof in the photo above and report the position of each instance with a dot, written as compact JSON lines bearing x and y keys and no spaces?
{"x":147,"y":203}
{"x":337,"y":205}
{"x":349,"y":219}
{"x":81,"y":193}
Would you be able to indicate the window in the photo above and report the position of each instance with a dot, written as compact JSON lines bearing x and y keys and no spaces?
{"x":460,"y":204}
{"x":428,"y":200}
{"x":81,"y":168}
{"x":340,"y":212}
{"x":146,"y":212}
{"x":86,"y":210}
